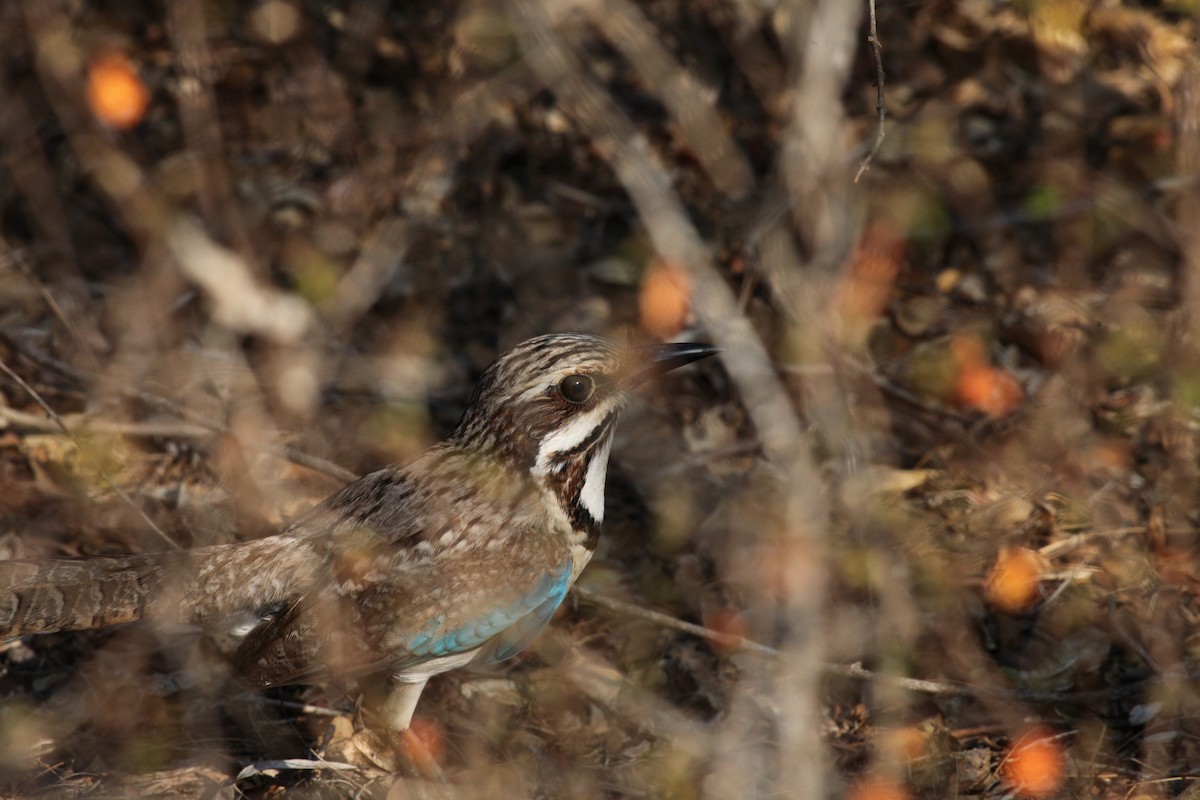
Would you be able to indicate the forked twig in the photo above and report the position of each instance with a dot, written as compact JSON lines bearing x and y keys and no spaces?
{"x":880,"y":108}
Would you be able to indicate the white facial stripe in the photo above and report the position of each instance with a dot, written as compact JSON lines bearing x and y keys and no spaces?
{"x":569,"y":436}
{"x":591,"y":496}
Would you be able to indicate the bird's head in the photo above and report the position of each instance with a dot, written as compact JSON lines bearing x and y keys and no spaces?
{"x":549,"y":406}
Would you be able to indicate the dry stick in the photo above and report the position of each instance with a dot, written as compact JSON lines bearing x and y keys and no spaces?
{"x":162,"y":404}
{"x":291,"y":705}
{"x":880,"y":109}
{"x":856,"y":670}
{"x":80,"y":422}
{"x":691,"y":104}
{"x":732,"y":641}
{"x":1055,"y":549}
{"x":37,"y":398}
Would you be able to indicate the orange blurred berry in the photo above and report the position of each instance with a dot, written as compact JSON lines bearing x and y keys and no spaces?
{"x":424,"y":741}
{"x":116,"y":94}
{"x":908,"y":744}
{"x":875,"y":788}
{"x":728,"y":622}
{"x":785,"y":564}
{"x":1012,"y":583}
{"x":865,"y":291}
{"x":978,"y":384}
{"x":664,"y":299}
{"x":1035,"y":765}
{"x":1109,"y":454}
{"x":988,"y":389}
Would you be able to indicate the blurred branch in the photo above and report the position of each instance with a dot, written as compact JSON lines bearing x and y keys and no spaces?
{"x":239,"y":301}
{"x":430,"y":178}
{"x":818,"y":41}
{"x":693,"y":107}
{"x":85,"y":453}
{"x":81,"y":422}
{"x":164,"y":405}
{"x":557,"y":60}
{"x":196,"y":102}
{"x":729,"y":641}
{"x":426,"y":185}
{"x":856,"y":670}
{"x":880,"y":109}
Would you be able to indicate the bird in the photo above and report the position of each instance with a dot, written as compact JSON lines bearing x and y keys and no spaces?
{"x":459,"y":555}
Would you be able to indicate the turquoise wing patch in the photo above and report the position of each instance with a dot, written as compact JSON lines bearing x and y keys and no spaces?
{"x":512,"y":627}
{"x":516,"y":637}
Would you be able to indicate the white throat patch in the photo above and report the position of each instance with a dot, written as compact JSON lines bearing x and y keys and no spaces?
{"x":591,"y":496}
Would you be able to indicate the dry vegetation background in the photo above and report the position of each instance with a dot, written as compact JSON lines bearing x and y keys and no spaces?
{"x":944,"y":479}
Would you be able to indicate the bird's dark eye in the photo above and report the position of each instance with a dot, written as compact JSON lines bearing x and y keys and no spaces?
{"x":577,"y":388}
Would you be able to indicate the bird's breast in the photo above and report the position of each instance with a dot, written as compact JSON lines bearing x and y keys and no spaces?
{"x":581,"y":554}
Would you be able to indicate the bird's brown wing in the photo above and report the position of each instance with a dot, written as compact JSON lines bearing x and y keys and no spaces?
{"x":397,"y":614}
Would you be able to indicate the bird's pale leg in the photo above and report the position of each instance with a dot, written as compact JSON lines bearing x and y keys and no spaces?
{"x":396,"y":710}
{"x":402,"y":747}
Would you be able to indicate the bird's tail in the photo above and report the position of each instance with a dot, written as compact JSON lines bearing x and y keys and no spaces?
{"x":76,"y":593}
{"x":207,"y":585}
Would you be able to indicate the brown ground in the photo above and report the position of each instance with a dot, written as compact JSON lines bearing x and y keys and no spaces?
{"x":953,"y":436}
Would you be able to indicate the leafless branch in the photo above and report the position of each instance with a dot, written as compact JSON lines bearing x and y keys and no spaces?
{"x":880,"y":108}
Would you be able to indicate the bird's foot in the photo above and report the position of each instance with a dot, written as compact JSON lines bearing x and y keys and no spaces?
{"x":405,"y":752}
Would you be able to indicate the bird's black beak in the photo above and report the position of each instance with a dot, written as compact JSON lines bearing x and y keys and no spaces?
{"x":656,"y":359}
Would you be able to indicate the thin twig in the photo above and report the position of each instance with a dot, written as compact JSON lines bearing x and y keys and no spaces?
{"x":291,"y":705}
{"x":55,"y":308}
{"x":165,"y":405}
{"x":729,"y":641}
{"x":50,"y":412}
{"x":275,"y":766}
{"x":1062,"y":546}
{"x":880,"y":108}
{"x":856,"y":670}
{"x":81,"y":422}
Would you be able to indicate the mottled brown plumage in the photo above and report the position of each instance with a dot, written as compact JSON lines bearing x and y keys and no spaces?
{"x":463,"y":552}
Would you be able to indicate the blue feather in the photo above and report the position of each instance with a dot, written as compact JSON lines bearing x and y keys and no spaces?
{"x":517,"y":636}
{"x":511,"y":628}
